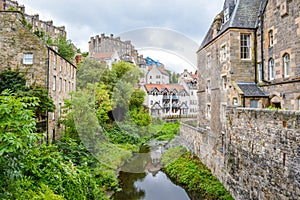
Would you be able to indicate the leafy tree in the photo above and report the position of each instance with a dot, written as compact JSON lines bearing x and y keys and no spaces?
{"x":65,"y":48}
{"x":17,"y":123}
{"x":89,"y":71}
{"x":45,"y":102}
{"x":12,"y":80}
{"x":137,"y":99}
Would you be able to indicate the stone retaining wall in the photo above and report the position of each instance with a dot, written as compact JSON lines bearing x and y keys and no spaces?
{"x":260,"y":154}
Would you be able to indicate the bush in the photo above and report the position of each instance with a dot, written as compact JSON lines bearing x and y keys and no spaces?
{"x":194,"y":176}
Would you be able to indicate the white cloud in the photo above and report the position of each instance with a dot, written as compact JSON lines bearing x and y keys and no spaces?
{"x":84,"y":19}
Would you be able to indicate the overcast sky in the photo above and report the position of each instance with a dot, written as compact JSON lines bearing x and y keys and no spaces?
{"x":178,"y":26}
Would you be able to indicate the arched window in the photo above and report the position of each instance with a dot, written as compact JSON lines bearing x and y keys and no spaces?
{"x":286,"y":65}
{"x":271,"y":69}
{"x":271,"y":38}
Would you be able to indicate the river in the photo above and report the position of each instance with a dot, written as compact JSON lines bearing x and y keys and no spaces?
{"x":142,"y":178}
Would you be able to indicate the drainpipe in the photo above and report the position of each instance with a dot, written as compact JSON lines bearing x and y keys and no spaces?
{"x":255,"y":57}
{"x":262,"y":44}
{"x":48,"y":74}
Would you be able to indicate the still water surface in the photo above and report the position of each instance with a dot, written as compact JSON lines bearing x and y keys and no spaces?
{"x":142,"y":179}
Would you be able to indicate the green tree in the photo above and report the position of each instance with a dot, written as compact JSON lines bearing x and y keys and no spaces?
{"x":12,"y":80}
{"x":65,"y":48}
{"x":17,"y":123}
{"x":89,"y":71}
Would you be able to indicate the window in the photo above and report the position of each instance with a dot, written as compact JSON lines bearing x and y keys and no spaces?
{"x":208,"y":111}
{"x":253,"y":103}
{"x":54,"y":62}
{"x":150,"y":77}
{"x":54,"y":83}
{"x":60,"y":84}
{"x":224,"y":82}
{"x":151,"y":102}
{"x":271,"y":69}
{"x":226,"y":15}
{"x":27,"y":58}
{"x":208,"y":87}
{"x":286,"y":65}
{"x":208,"y":61}
{"x":298,"y":103}
{"x":69,"y":86}
{"x":271,"y":38}
{"x":157,"y":76}
{"x":245,"y":46}
{"x":259,"y":66}
{"x":223,"y":52}
{"x":61,"y":64}
{"x":65,"y":85}
{"x":235,"y":101}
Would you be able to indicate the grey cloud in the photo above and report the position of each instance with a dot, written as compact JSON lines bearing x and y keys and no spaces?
{"x":191,"y":17}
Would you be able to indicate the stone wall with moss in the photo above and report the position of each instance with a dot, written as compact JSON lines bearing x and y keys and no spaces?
{"x":260,"y":154}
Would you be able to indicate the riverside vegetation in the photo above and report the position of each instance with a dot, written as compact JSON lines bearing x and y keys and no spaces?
{"x":66,"y":169}
{"x":193,"y":175}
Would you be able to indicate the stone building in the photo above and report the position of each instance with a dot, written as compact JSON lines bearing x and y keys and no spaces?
{"x":34,"y":21}
{"x":103,"y":44}
{"x":278,"y":52}
{"x":251,"y":45}
{"x":226,"y":60}
{"x":189,"y":81}
{"x":22,"y":50}
{"x":250,"y":57}
{"x":166,"y":99}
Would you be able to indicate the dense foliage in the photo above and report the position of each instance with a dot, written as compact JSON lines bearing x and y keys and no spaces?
{"x":193,"y":175}
{"x":30,"y":170}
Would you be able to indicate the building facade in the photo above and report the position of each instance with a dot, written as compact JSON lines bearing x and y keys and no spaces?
{"x":41,"y":65}
{"x":278,"y":52}
{"x":101,"y":44}
{"x":165,"y":100}
{"x":189,"y":81}
{"x":249,"y":58}
{"x":33,"y":21}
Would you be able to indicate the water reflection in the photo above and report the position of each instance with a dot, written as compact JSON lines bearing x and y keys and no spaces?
{"x":142,"y":179}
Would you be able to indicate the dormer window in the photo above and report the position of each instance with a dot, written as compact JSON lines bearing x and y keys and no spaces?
{"x":226,"y":15}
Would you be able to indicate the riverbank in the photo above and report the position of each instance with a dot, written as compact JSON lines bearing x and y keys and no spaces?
{"x":192,"y":175}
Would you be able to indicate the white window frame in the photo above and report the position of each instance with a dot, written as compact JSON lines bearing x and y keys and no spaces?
{"x":208,"y":111}
{"x":286,"y":65}
{"x":245,"y":46}
{"x":271,"y":69}
{"x":28,"y":58}
{"x":259,"y":66}
{"x":60,"y":85}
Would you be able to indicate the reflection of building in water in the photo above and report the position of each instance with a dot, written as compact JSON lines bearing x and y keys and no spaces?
{"x":154,"y":166}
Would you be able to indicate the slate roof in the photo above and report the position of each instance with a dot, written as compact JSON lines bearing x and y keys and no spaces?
{"x":242,"y":15}
{"x":250,"y":89}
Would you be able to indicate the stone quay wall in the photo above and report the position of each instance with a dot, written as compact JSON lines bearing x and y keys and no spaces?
{"x":260,"y":154}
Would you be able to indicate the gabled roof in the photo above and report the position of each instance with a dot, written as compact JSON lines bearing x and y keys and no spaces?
{"x":162,"y":87}
{"x":250,"y":89}
{"x":241,"y":15}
